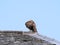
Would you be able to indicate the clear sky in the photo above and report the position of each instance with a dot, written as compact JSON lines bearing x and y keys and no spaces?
{"x":45,"y":13}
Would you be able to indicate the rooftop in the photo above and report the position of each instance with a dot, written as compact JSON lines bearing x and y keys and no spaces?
{"x":25,"y":38}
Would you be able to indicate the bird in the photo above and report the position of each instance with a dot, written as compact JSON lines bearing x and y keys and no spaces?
{"x":31,"y":25}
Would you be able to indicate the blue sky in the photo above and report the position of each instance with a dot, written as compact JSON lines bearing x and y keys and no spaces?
{"x":45,"y":13}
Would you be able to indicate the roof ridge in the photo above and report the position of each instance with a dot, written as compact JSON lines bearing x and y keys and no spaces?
{"x":53,"y":41}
